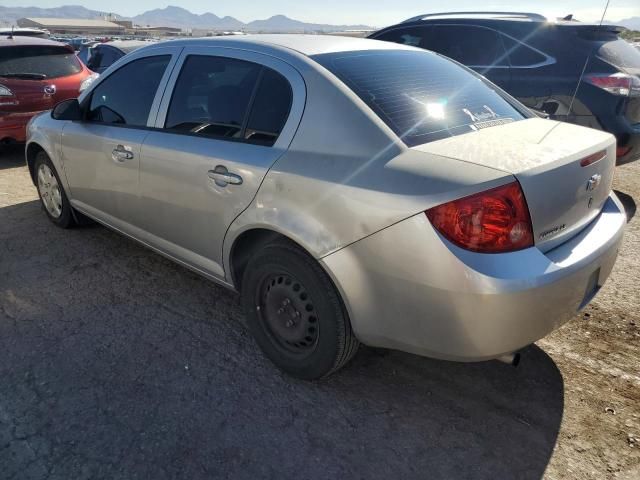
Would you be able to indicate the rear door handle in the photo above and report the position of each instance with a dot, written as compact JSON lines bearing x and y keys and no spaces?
{"x":224,"y":177}
{"x":122,"y":153}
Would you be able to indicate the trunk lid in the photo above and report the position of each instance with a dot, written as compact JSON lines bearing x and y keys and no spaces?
{"x":545,"y":157}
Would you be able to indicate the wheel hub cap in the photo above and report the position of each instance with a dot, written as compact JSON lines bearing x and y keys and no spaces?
{"x":49,"y":191}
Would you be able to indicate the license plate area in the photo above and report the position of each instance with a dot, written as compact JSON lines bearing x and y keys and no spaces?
{"x":592,"y":289}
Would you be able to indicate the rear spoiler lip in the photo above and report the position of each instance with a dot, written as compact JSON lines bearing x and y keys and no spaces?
{"x":604,"y":27}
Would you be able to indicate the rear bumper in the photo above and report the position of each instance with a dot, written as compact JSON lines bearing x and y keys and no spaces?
{"x":13,"y":126}
{"x":406,"y":288}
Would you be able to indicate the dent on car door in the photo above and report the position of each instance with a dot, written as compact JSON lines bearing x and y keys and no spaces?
{"x":228,"y":117}
{"x":101,"y":154}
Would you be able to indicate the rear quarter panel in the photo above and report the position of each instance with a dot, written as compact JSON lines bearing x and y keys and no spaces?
{"x":347,"y":176}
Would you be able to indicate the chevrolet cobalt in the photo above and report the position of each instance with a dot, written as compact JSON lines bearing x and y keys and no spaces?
{"x":351,"y":190}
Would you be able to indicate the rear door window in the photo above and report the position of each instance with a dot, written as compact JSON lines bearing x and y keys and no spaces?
{"x":270,"y":109}
{"x":412,"y":36}
{"x":103,"y":57}
{"x":520,"y":55}
{"x":38,"y":62}
{"x":125,"y":97}
{"x":422,"y":97}
{"x":469,"y":45}
{"x":229,"y":98}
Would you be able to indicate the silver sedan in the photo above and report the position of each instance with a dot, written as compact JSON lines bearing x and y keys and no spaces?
{"x":351,"y":191}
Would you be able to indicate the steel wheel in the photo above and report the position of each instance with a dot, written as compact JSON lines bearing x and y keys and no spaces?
{"x":287,"y":313}
{"x":49,"y":191}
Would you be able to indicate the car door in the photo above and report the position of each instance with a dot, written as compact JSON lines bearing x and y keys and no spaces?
{"x":227,"y":116}
{"x":101,"y":154}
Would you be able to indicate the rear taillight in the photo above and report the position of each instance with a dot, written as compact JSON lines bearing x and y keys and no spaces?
{"x":618,"y":83}
{"x":5,"y":92}
{"x":494,"y":221}
{"x":622,"y":151}
{"x":594,"y":158}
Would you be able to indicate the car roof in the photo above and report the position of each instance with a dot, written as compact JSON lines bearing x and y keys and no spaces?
{"x":128,"y":45}
{"x":305,"y":44}
{"x":8,"y":41}
{"x":497,"y":18}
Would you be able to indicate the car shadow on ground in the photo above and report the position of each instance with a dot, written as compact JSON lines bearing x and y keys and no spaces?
{"x":11,"y":156}
{"x":118,"y":363}
{"x":628,"y":203}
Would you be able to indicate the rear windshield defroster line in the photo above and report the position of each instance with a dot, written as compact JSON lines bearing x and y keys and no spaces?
{"x":421,"y":96}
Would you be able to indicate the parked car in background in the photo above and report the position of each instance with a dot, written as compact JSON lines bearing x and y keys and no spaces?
{"x":540,"y":62}
{"x":351,"y":190}
{"x":23,"y":32}
{"x":103,"y":55}
{"x":35,"y":74}
{"x":86,"y":50}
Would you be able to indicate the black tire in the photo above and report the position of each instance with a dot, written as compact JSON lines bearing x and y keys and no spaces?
{"x":66,"y":218}
{"x":310,"y":337}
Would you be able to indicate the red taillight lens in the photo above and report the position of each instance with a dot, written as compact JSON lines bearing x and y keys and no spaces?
{"x":591,"y":159}
{"x":618,"y":83}
{"x":622,"y":151}
{"x":494,"y":221}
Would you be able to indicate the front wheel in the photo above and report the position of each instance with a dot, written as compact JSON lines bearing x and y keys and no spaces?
{"x":54,"y":200}
{"x":295,"y":312}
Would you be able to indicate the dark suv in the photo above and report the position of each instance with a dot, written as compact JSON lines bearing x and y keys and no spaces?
{"x":540,"y":62}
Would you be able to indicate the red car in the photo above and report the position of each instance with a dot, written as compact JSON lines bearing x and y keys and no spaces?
{"x":35,"y":74}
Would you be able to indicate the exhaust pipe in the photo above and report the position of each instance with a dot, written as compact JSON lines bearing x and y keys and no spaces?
{"x":512,"y":359}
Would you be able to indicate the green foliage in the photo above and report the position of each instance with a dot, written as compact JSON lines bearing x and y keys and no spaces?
{"x":630,"y":34}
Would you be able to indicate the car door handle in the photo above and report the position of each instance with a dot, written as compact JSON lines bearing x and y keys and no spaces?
{"x":122,"y":153}
{"x":224,"y":177}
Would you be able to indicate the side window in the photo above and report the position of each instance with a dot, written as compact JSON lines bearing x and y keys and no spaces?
{"x":109,"y":57}
{"x":95,"y":58}
{"x":521,"y":55}
{"x":413,"y":36}
{"x":212,"y":96}
{"x":125,"y":96}
{"x":229,"y":98}
{"x":469,"y":45}
{"x":270,"y":109}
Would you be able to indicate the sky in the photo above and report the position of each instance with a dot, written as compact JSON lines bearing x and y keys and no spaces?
{"x":335,"y":12}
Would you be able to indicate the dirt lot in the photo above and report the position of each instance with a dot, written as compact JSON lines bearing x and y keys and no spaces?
{"x":116,"y":363}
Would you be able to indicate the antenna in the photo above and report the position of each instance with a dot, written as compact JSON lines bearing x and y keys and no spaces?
{"x":586,"y":62}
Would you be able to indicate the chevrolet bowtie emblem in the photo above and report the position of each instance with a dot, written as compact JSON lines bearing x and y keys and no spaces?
{"x":593,"y":182}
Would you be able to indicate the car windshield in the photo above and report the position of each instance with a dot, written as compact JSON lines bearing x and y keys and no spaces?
{"x":38,"y":61}
{"x":421,"y":96}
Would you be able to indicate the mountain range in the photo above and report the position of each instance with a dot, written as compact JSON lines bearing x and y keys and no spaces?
{"x":172,"y":16}
{"x":632,"y":23}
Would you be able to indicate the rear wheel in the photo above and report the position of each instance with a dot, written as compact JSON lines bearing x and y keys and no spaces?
{"x":295,"y":312}
{"x":54,"y":200}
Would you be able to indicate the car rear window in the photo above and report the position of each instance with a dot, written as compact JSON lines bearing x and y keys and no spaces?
{"x":421,"y":96}
{"x":38,"y":61}
{"x":620,"y":54}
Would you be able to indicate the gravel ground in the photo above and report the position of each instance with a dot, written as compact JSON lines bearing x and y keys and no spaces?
{"x":116,"y":363}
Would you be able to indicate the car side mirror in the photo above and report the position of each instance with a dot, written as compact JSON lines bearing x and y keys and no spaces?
{"x":67,"y":110}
